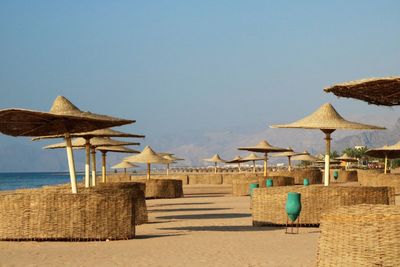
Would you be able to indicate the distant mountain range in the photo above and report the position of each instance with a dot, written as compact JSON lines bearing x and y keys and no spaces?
{"x":21,"y":154}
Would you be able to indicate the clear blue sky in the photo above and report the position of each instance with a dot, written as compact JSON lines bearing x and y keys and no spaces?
{"x":194,"y":65}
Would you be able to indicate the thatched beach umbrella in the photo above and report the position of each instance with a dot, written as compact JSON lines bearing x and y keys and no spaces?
{"x":94,"y":143}
{"x":264,"y":147}
{"x":216,"y":159}
{"x":104,"y":150}
{"x":379,"y":91}
{"x":147,"y":156}
{"x":170,"y":158}
{"x":124,"y":165}
{"x":305,"y":156}
{"x":88,"y":136}
{"x":238,"y":160}
{"x":386,"y":152}
{"x":63,"y":118}
{"x":346,"y":159}
{"x":289,"y":154}
{"x":327,"y":119}
{"x":253,"y":157}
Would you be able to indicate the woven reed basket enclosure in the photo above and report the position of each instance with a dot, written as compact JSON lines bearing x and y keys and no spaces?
{"x":371,"y":178}
{"x":162,"y":188}
{"x":60,"y":215}
{"x":361,"y":235}
{"x":268,"y":204}
{"x":137,"y":191}
{"x":314,"y":176}
{"x":241,"y":187}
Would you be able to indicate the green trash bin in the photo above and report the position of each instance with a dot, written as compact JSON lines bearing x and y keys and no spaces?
{"x":269,"y":183}
{"x":252,"y":187}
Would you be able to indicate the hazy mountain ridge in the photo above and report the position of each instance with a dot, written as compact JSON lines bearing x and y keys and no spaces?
{"x":21,"y":154}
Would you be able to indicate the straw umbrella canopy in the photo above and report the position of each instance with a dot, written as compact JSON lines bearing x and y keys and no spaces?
{"x":346,"y":159}
{"x":95,"y":142}
{"x":238,"y":160}
{"x":289,"y":154}
{"x":88,"y":136}
{"x":104,"y":150}
{"x":264,"y":147}
{"x":253,"y":157}
{"x":379,"y":91}
{"x":170,"y":158}
{"x":386,"y":152}
{"x":63,"y":118}
{"x":305,"y":156}
{"x":147,"y":156}
{"x":327,"y":119}
{"x":124,"y":165}
{"x":216,"y":159}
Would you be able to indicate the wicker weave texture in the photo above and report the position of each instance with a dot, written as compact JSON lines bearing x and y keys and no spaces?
{"x":371,"y":178}
{"x":314,"y":175}
{"x":56,"y":215}
{"x":241,"y":187}
{"x":344,"y":176}
{"x":360,"y":235}
{"x":162,"y":188}
{"x":268,"y":204}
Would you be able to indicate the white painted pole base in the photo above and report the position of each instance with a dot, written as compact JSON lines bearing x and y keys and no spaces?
{"x":87,"y":164}
{"x":327,"y":156}
{"x":103,"y":167}
{"x":93,"y":166}
{"x":71,"y":164}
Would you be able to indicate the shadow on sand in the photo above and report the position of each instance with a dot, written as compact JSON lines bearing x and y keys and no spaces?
{"x":207,"y":216}
{"x":225,"y":228}
{"x":155,"y":236}
{"x":181,"y":204}
{"x":187,"y":209}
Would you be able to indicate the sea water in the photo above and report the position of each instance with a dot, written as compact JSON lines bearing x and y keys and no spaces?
{"x":15,"y":180}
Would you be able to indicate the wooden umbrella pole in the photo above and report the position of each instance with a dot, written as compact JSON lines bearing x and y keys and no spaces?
{"x":103,"y":167}
{"x":327,"y":156}
{"x":264,"y":177}
{"x":87,"y":163}
{"x":239,"y":166}
{"x":290,"y":164}
{"x":167,"y":169}
{"x":71,"y":164}
{"x":125,"y":170}
{"x":254,"y":166}
{"x":215,"y":168}
{"x":148,"y":171}
{"x":93,"y":166}
{"x":386,"y":162}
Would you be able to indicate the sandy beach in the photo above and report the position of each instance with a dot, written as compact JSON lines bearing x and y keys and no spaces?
{"x":208,"y":227}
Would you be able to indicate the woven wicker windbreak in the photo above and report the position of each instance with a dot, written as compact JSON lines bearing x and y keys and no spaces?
{"x":313,"y":175}
{"x":136,"y":189}
{"x":360,"y":235}
{"x":162,"y":188}
{"x":268,"y":204}
{"x":241,"y":187}
{"x":373,"y":178}
{"x":379,"y":91}
{"x":344,"y":176}
{"x":38,"y":214}
{"x":64,"y":117}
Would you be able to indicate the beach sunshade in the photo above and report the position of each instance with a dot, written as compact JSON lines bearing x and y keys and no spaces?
{"x":289,"y":154}
{"x":63,"y":118}
{"x":238,"y":160}
{"x":379,"y":91}
{"x":327,"y":119}
{"x":147,"y":156}
{"x":253,"y":157}
{"x":264,"y":147}
{"x":170,"y":158}
{"x":386,"y":152}
{"x":216,"y":159}
{"x":346,"y":158}
{"x":124,"y":165}
{"x":87,"y":136}
{"x":104,"y":150}
{"x":305,"y":157}
{"x":94,"y":142}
